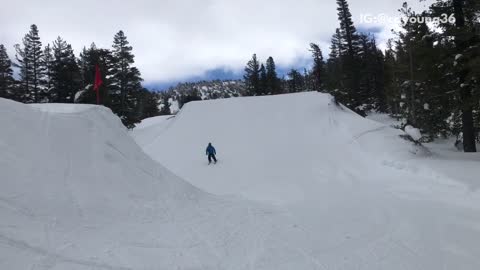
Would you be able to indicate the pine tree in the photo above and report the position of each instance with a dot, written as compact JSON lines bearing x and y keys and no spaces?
{"x":66,"y":78}
{"x":371,"y":84}
{"x":337,"y":48}
{"x":392,"y":91}
{"x":348,"y":31}
{"x":192,"y":95}
{"x":165,"y":110}
{"x":377,"y":67}
{"x":318,"y":69}
{"x":148,"y":105}
{"x":273,"y":83}
{"x":126,"y":81}
{"x":263,"y":80}
{"x":48,"y":62}
{"x":334,"y":68}
{"x":467,"y":45}
{"x":32,"y":70}
{"x":464,"y":54}
{"x":252,"y":77}
{"x":296,"y":82}
{"x":410,"y":70}
{"x":6,"y":74}
{"x":83,"y":63}
{"x":349,"y":50}
{"x":416,"y":80}
{"x":308,"y":81}
{"x":89,"y":58}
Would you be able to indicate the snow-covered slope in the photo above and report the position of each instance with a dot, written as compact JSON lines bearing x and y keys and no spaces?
{"x":275,"y":139}
{"x":351,"y":184}
{"x":76,"y":192}
{"x":150,"y":128}
{"x":337,"y":191}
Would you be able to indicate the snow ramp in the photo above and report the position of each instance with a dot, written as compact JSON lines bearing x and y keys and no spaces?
{"x":352,"y":185}
{"x":78,"y":193}
{"x":303,"y":136}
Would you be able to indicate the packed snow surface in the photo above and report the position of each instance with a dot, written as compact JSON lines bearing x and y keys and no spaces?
{"x":301,"y":184}
{"x":364,"y":197}
{"x":78,"y":193}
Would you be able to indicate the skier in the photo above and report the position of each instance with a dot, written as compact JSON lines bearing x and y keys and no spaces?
{"x":211,"y":153}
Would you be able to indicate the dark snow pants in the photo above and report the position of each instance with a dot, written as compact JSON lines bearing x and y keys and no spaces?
{"x":210,"y":157}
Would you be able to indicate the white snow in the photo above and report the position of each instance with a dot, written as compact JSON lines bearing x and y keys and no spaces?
{"x":362,"y":195}
{"x":150,"y":129}
{"x":447,"y":160}
{"x":78,"y":193}
{"x":174,"y":106}
{"x":154,"y":121}
{"x":301,"y":184}
{"x":384,"y":119}
{"x":62,"y":108}
{"x":414,"y":133}
{"x":78,"y":95}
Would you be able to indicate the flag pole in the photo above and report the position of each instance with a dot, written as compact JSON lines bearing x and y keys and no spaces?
{"x":97,"y":83}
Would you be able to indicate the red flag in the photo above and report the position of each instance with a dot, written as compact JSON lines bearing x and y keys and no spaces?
{"x":98,"y":82}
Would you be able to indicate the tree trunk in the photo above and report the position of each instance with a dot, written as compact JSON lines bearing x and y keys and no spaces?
{"x":468,"y":129}
{"x":468,"y":125}
{"x":412,"y":88}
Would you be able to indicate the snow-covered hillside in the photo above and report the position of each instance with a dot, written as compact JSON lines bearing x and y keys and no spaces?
{"x":365,"y":198}
{"x":78,"y":193}
{"x":211,"y":89}
{"x":314,"y":187}
{"x":205,"y":90}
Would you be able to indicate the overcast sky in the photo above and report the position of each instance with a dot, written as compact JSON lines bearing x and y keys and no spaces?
{"x":176,"y":40}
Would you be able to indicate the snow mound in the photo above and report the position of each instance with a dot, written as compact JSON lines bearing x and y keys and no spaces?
{"x":414,"y":133}
{"x":274,"y":138}
{"x":149,"y":122}
{"x":78,"y":193}
{"x":63,"y":108}
{"x":149,"y":129}
{"x":359,"y":192}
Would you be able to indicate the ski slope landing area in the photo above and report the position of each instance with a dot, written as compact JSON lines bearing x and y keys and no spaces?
{"x":362,"y":197}
{"x":77,"y":193}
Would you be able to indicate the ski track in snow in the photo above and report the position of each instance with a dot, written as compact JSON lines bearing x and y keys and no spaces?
{"x":53,"y":258}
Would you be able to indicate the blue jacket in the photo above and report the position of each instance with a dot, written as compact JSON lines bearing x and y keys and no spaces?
{"x":211,"y":150}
